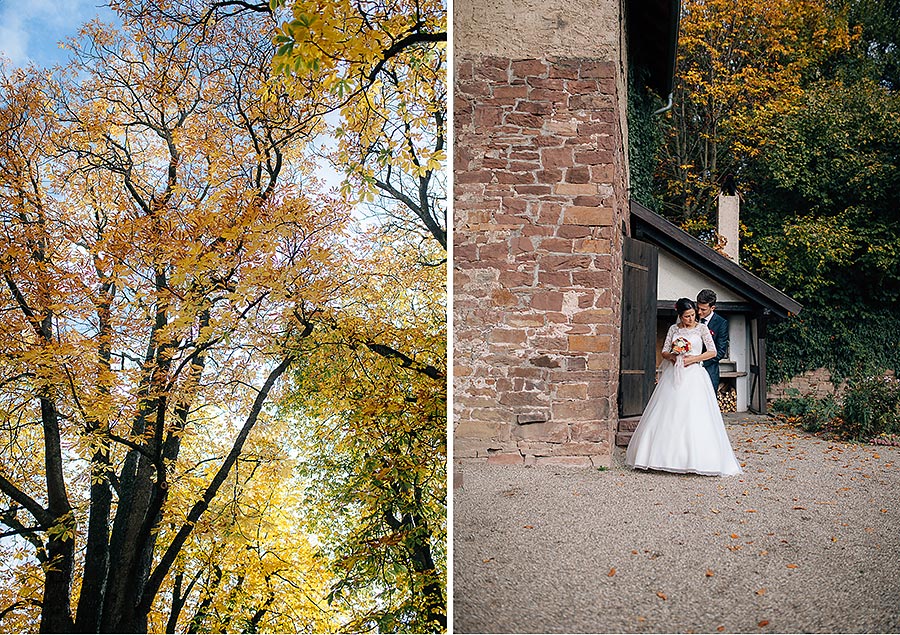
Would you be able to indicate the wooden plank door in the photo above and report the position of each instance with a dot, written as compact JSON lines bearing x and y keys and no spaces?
{"x":637,"y":363}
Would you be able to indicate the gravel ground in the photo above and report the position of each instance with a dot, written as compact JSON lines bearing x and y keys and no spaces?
{"x":807,"y":540}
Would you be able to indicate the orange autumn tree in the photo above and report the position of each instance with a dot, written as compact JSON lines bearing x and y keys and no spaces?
{"x":734,"y":57}
{"x":379,"y":69}
{"x":164,"y":253}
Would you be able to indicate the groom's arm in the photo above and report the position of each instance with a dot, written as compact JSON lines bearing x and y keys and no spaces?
{"x":720,"y":338}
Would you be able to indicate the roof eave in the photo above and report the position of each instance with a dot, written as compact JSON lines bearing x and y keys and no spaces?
{"x":653,"y":227}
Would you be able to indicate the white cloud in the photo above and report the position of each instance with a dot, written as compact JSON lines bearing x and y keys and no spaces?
{"x":32,"y":30}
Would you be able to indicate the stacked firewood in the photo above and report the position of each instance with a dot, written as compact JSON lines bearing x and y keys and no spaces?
{"x":727,"y":398}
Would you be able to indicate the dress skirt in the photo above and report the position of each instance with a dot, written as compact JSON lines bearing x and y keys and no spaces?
{"x":682,"y":429}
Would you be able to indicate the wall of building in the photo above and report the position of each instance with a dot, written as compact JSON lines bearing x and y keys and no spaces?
{"x":540,"y":198}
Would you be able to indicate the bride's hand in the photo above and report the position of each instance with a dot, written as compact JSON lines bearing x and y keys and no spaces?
{"x":690,"y":359}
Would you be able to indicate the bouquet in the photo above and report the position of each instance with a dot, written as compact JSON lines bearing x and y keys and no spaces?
{"x":681,"y":346}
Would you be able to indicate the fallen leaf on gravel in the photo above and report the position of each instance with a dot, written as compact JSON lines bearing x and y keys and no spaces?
{"x":750,"y":511}
{"x":834,"y":539}
{"x":642,"y":619}
{"x":709,"y":573}
{"x":661,"y":595}
{"x":612,"y":572}
{"x":764,"y":552}
{"x":735,"y":536}
{"x":763,"y":623}
{"x":714,"y":510}
{"x":488,"y":560}
{"x":736,"y":547}
{"x":870,"y":530}
{"x":529,"y":526}
{"x":761,"y":591}
{"x":883,"y":510}
{"x":720,"y":628}
{"x":799,"y":507}
{"x":792,"y":566}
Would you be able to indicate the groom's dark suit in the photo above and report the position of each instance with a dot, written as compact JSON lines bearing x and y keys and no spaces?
{"x":718,"y":328}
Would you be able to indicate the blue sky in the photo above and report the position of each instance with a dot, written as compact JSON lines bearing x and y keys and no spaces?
{"x":31,"y":29}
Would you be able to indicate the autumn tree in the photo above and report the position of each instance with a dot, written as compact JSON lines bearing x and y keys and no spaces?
{"x":733,"y":58}
{"x":371,"y":408}
{"x":165,"y":253}
{"x":385,"y":71}
{"x":379,"y":68}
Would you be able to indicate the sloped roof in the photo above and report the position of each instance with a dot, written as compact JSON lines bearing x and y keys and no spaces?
{"x":653,"y":40}
{"x":650,"y":227}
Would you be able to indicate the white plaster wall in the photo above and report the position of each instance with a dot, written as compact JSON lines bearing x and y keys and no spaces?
{"x":678,"y":280}
{"x":738,"y":352}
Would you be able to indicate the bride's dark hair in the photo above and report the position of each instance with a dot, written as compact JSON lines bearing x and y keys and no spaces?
{"x":683,"y":304}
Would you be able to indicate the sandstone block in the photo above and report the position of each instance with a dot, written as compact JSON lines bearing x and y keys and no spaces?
{"x":575,"y":189}
{"x":506,"y":458}
{"x":589,"y":343}
{"x":591,"y":216}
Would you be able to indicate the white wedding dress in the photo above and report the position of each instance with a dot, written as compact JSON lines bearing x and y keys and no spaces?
{"x":682,"y":429}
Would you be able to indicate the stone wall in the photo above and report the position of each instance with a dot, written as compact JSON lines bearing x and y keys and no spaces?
{"x":813,"y":383}
{"x":540,"y":201}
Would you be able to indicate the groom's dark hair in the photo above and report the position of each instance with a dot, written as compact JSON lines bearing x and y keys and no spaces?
{"x":707,"y":296}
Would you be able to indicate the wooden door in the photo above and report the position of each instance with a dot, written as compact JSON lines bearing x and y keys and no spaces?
{"x":637,"y":363}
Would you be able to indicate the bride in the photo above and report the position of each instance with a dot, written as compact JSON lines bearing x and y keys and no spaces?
{"x":681,"y":429}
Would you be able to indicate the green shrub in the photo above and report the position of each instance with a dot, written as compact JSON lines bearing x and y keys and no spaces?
{"x":821,"y":414}
{"x":871,"y":407}
{"x":793,"y":405}
{"x":812,"y":414}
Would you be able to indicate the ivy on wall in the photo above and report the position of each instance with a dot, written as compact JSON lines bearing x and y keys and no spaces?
{"x":849,"y":344}
{"x":644,"y":139}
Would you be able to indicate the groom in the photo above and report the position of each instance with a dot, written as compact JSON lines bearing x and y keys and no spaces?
{"x":718,"y":328}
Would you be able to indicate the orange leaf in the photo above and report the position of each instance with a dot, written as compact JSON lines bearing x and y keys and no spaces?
{"x":750,"y":511}
{"x":529,"y":526}
{"x":763,"y":623}
{"x":735,"y":536}
{"x":761,"y":591}
{"x":634,"y":551}
{"x":661,"y":595}
{"x":612,"y":572}
{"x":720,"y":628}
{"x":709,"y":573}
{"x":792,"y":566}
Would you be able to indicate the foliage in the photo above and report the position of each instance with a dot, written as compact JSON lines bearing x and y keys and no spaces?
{"x":847,"y":340}
{"x":813,"y":414}
{"x":871,"y":407}
{"x":877,"y":50}
{"x":644,"y":141}
{"x":733,"y":58}
{"x":169,"y":256}
{"x":374,"y":456}
{"x":383,"y":67}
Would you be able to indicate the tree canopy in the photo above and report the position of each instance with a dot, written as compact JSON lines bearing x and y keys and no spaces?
{"x":188,"y":305}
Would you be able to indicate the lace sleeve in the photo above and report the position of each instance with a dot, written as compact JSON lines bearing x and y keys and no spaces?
{"x":708,"y":339}
{"x":667,"y":345}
